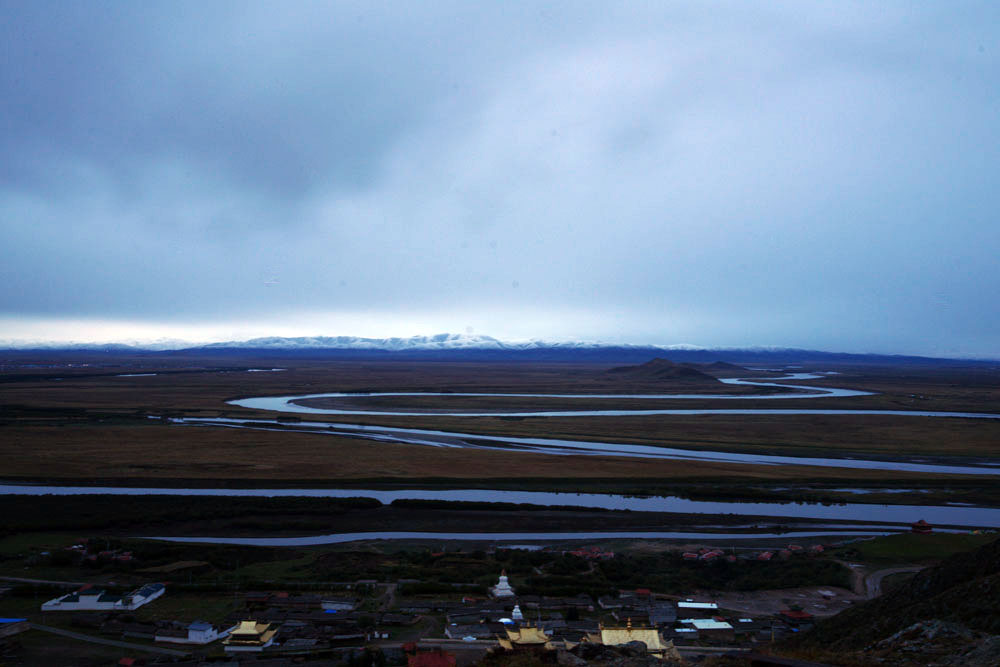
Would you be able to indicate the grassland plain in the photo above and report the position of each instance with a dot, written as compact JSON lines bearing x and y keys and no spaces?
{"x":913,"y":549}
{"x":113,"y":453}
{"x":88,"y":423}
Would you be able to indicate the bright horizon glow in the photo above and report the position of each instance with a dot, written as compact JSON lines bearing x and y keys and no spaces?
{"x":170,"y":336}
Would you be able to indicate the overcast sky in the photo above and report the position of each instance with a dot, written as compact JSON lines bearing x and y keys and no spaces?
{"x":822,"y":175}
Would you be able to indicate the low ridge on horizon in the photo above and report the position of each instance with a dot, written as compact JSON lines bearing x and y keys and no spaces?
{"x":443,"y":343}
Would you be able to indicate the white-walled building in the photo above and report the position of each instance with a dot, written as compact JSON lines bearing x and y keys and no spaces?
{"x":198,"y":632}
{"x":96,"y":599}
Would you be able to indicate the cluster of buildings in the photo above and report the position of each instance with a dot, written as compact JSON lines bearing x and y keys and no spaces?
{"x":276,"y":623}
{"x":591,"y":553}
{"x":709,"y":555}
{"x":88,"y":552}
{"x":519,"y":621}
{"x":198,"y":633}
{"x":536,"y":638}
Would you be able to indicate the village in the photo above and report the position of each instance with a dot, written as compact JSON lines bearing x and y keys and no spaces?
{"x":420,"y":622}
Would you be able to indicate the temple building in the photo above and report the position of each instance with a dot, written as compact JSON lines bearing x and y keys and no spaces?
{"x":502,"y":589}
{"x":525,"y":638}
{"x":250,"y":636}
{"x":651,"y":637}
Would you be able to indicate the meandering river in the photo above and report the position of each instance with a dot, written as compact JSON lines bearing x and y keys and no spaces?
{"x":440,"y":438}
{"x":295,"y":403}
{"x":871,"y":515}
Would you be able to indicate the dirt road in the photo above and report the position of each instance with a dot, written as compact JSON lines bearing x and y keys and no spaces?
{"x":873,"y":581}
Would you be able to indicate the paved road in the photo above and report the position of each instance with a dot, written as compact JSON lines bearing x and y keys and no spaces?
{"x":109,"y":642}
{"x":873,"y":582}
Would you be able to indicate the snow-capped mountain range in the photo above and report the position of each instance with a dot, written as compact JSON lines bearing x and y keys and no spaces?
{"x":467,"y":347}
{"x":443,"y":341}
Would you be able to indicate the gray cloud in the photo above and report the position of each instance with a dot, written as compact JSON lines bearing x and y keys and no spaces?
{"x":803,"y":174}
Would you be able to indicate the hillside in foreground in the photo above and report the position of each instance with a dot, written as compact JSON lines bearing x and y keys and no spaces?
{"x":948,"y":614}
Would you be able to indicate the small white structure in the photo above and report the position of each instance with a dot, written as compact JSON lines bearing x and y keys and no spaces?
{"x":339,"y":604}
{"x":690,"y":604}
{"x":502,"y":589}
{"x":198,"y":632}
{"x":517,"y":615}
{"x":706,"y":624}
{"x":96,"y":599}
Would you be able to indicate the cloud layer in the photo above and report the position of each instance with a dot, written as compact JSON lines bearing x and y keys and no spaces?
{"x":728,"y":174}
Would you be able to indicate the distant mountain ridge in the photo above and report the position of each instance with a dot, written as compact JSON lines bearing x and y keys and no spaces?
{"x":437,"y":342}
{"x":475,"y":347}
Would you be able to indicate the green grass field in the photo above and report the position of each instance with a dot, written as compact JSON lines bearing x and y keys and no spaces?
{"x":909,"y":548}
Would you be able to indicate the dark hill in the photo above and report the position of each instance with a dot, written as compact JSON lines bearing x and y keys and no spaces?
{"x":961,"y":595}
{"x":725,"y":366}
{"x":663,"y":369}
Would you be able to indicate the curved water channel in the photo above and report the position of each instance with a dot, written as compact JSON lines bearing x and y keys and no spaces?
{"x":872,"y":514}
{"x":293,"y":403}
{"x":340,"y":538}
{"x":439,"y":438}
{"x":435,"y":438}
{"x":874,"y":523}
{"x":978,"y":517}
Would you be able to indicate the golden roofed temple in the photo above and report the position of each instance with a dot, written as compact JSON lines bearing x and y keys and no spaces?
{"x":250,"y":636}
{"x":523,"y":638}
{"x":651,"y":637}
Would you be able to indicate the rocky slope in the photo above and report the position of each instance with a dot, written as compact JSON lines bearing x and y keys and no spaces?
{"x":948,"y":614}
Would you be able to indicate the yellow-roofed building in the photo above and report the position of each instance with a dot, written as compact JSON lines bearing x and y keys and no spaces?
{"x":250,"y":636}
{"x":524,"y":638}
{"x":651,"y":637}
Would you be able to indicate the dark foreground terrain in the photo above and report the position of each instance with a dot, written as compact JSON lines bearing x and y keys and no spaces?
{"x":948,"y":614}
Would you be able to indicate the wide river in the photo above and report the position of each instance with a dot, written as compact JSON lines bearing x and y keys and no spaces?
{"x":972,"y":517}
{"x":340,"y":538}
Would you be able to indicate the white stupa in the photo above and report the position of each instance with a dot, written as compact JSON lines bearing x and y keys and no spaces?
{"x":517,"y":615}
{"x":502,"y":589}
